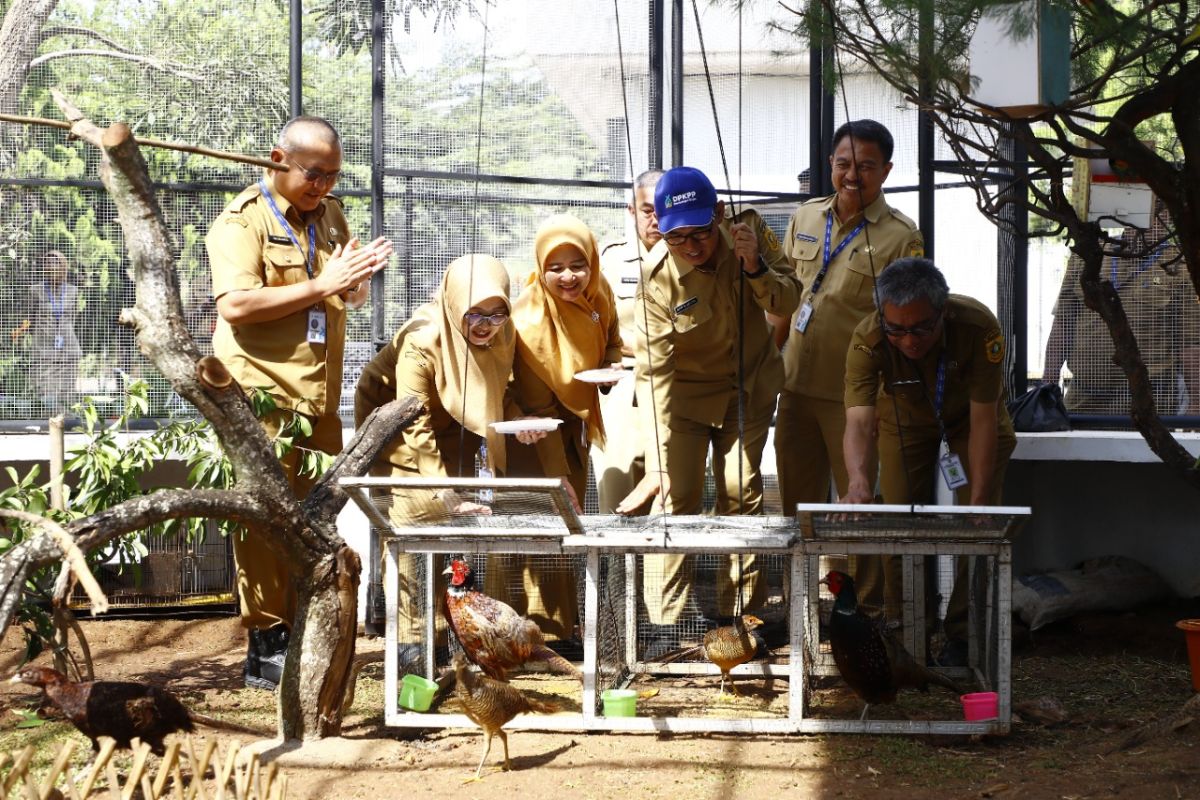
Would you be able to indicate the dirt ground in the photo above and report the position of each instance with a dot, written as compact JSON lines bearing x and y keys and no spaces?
{"x":1110,"y":672}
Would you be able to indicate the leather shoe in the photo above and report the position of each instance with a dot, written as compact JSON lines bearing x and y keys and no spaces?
{"x":265,"y":655}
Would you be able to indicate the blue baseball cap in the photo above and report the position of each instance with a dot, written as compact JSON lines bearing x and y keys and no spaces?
{"x":684,"y":198}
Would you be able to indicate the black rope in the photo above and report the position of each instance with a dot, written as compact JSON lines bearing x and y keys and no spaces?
{"x":887,"y":345}
{"x":462,"y":429}
{"x":741,"y":355}
{"x":662,"y":493}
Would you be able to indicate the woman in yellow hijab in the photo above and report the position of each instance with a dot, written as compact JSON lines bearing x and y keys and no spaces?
{"x":455,"y":356}
{"x":566,"y":323}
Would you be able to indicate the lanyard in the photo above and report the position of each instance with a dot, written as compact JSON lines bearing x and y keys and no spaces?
{"x":828,"y":256}
{"x":287,"y":228}
{"x":56,"y":310}
{"x":939,"y":390}
{"x":1143,"y":265}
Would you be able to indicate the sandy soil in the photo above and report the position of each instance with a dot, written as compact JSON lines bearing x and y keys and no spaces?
{"x":1110,"y":672}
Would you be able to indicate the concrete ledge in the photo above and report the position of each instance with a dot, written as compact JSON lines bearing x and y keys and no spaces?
{"x":1120,"y":446}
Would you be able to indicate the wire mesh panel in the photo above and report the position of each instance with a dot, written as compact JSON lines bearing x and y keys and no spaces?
{"x":176,"y":570}
{"x":974,"y":545}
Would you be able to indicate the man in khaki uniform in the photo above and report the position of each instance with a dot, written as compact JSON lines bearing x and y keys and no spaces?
{"x":708,"y":271}
{"x":284,"y":270}
{"x":837,"y":244}
{"x":1164,"y":316}
{"x":933,"y":363}
{"x":620,"y":463}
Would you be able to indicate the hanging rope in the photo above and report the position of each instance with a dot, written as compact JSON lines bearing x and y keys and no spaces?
{"x":887,"y":345}
{"x":741,"y":317}
{"x":662,"y":493}
{"x":462,"y":430}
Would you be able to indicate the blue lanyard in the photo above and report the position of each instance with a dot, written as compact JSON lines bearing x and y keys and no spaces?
{"x":56,"y":310}
{"x":1143,"y":265}
{"x":939,"y":393}
{"x":287,"y":228}
{"x":828,"y":256}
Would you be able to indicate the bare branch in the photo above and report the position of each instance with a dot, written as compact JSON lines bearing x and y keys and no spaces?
{"x":71,"y":555}
{"x":171,"y":68}
{"x":78,"y":30}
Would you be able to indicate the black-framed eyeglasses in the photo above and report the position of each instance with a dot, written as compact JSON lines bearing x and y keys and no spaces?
{"x":495,"y":320}
{"x":697,"y":236}
{"x":316,"y":176}
{"x":917,"y":331}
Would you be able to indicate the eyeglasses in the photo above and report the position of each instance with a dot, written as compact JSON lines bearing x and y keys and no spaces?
{"x":917,"y":331}
{"x":495,"y":320}
{"x":697,"y":236}
{"x":316,"y":176}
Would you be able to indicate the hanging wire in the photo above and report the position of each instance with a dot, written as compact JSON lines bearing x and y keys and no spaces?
{"x":662,"y":493}
{"x":462,"y":430}
{"x":871,"y":261}
{"x":741,"y":320}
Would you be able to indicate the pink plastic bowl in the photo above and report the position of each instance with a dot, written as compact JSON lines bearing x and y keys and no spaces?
{"x":980,"y":706}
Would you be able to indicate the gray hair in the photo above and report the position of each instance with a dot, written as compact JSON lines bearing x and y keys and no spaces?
{"x":907,"y":280}
{"x":297,"y":129}
{"x":648,"y":179}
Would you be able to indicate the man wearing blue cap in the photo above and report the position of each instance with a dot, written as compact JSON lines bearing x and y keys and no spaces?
{"x":699,"y":314}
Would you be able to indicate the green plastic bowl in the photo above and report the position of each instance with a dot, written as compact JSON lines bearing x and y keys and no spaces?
{"x":416,"y":692}
{"x":619,"y":702}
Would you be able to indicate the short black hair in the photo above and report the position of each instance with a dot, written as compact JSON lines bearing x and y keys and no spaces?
{"x":907,"y":280}
{"x":867,"y":130}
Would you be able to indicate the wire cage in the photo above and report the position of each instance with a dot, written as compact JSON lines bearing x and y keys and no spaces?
{"x":176,"y":571}
{"x":530,"y":546}
{"x":934,"y":548}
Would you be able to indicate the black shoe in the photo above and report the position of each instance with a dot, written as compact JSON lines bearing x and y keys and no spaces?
{"x":954,"y":654}
{"x":265,"y":655}
{"x":660,"y":640}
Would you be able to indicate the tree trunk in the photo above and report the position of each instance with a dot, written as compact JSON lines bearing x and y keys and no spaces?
{"x":19,"y":39}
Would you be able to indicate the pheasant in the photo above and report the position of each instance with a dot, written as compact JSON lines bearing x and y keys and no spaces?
{"x":494,"y":635}
{"x":491,"y":704}
{"x":727,"y":647}
{"x":870,"y":659}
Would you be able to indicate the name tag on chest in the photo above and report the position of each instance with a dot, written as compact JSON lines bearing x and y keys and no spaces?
{"x":273,"y":239}
{"x":686,"y":304}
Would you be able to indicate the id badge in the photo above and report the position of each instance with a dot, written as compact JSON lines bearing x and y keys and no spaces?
{"x":58,"y":342}
{"x":484,"y":496}
{"x":316,"y":326}
{"x":952,"y":470}
{"x":804,"y":316}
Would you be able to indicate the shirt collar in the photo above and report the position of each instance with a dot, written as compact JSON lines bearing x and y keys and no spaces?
{"x":875,"y":209}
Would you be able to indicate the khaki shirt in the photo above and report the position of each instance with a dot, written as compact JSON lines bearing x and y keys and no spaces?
{"x":621,"y":264}
{"x":429,"y":445}
{"x":972,"y":347}
{"x":687,"y":336}
{"x":248,"y":249}
{"x":814,"y":361}
{"x":1163,"y":314}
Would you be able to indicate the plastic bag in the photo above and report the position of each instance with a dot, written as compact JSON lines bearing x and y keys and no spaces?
{"x":1040,"y":410}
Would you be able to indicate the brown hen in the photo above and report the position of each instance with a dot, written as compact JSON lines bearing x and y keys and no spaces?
{"x":493,"y":635}
{"x":121,"y":710}
{"x":491,"y":704}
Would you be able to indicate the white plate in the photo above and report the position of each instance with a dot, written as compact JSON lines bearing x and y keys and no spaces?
{"x":604,"y":375}
{"x":526,"y":425}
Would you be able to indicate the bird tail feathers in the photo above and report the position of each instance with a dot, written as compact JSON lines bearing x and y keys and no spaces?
{"x":557,"y":663}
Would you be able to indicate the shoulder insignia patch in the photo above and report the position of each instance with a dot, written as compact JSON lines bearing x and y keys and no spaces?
{"x":916,"y":249}
{"x":993,"y":347}
{"x":769,"y":238}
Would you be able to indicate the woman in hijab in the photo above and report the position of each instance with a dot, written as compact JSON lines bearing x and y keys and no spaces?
{"x":566,"y":323}
{"x":454,"y":356}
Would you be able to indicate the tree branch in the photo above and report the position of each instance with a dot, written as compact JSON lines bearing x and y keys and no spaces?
{"x":377,"y":431}
{"x":78,"y":30}
{"x":178,"y":70}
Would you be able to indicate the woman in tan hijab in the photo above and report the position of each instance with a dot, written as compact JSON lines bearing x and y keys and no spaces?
{"x":455,"y":356}
{"x":566,"y":323}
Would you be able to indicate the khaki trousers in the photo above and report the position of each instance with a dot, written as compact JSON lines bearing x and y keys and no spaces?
{"x":621,"y":463}
{"x":266,"y":594}
{"x":667,"y":579}
{"x":919,"y":461}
